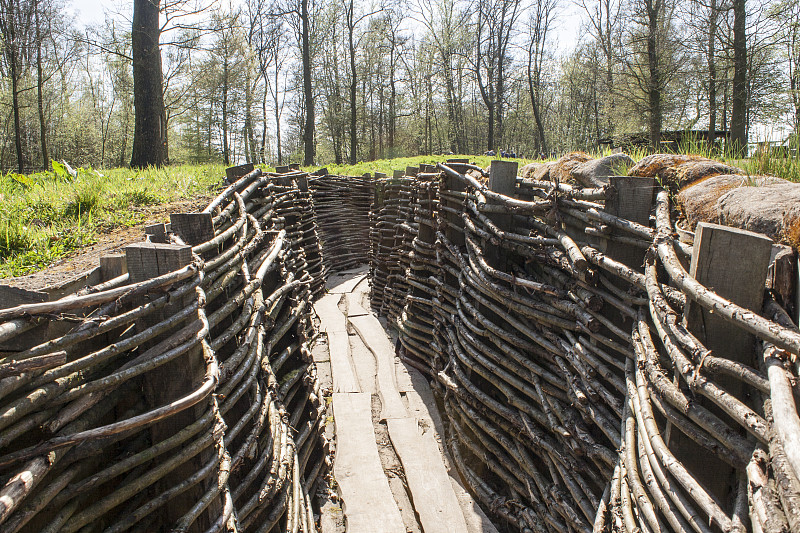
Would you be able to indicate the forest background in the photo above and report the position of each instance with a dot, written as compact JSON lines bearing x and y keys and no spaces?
{"x":334,"y":81}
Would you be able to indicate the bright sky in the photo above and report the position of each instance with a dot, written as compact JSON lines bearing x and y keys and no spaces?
{"x":92,"y":12}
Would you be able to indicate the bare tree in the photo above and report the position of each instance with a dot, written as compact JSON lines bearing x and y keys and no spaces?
{"x":16,"y":22}
{"x":540,"y":18}
{"x":496,"y":23}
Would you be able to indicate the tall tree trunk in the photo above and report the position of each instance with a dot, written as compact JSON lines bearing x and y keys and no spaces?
{"x":712,"y":75}
{"x":499,"y":96}
{"x":533,"y":88}
{"x":263,"y":145}
{"x":15,"y":106}
{"x":11,"y":50}
{"x":353,"y":81}
{"x":392,"y":98}
{"x":249,"y":138}
{"x":739,"y":91}
{"x":278,"y":146}
{"x":40,"y":91}
{"x":654,"y":82}
{"x":149,"y":139}
{"x":308,"y":92}
{"x":225,"y":150}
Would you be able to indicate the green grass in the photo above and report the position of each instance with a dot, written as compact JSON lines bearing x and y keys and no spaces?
{"x":46,"y":215}
{"x":388,"y":165}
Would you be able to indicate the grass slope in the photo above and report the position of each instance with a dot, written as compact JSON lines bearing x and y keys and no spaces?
{"x":388,"y":165}
{"x":45,"y":216}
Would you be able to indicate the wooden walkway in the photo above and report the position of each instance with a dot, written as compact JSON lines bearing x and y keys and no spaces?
{"x":403,"y":483}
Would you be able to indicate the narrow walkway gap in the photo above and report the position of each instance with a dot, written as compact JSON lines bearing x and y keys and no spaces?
{"x":389,"y":469}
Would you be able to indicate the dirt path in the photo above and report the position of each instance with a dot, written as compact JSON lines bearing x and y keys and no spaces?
{"x":110,"y":242}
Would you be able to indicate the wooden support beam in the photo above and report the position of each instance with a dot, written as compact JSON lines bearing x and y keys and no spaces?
{"x":629,"y":198}
{"x":172,"y":380}
{"x":234,"y":173}
{"x":733,"y":263}
{"x":112,"y":266}
{"x":502,"y":180}
{"x":156,"y":233}
{"x":192,"y":228}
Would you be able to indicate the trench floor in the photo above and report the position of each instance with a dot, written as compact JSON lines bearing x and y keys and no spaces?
{"x":390,"y":470}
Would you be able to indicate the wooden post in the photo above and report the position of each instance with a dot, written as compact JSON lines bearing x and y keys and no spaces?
{"x":112,"y":266}
{"x":281,"y":170}
{"x":464,"y":161}
{"x":234,"y":173}
{"x":302,"y":183}
{"x":294,"y":166}
{"x":632,"y":199}
{"x":412,"y":171}
{"x":453,"y":220}
{"x":397,"y":174}
{"x":733,"y":263}
{"x":502,"y":180}
{"x":192,"y":228}
{"x":172,"y":380}
{"x":156,"y":233}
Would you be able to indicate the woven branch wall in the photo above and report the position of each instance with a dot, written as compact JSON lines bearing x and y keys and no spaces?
{"x":576,"y":397}
{"x":180,"y":396}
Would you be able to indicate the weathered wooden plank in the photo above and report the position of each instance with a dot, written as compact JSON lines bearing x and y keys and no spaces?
{"x":13,"y":296}
{"x":156,"y":233}
{"x":422,"y":406}
{"x":346,"y":285}
{"x":112,"y":265}
{"x":374,"y":336}
{"x":404,"y":383}
{"x":431,"y":492}
{"x":631,"y":198}
{"x":354,"y":307}
{"x":365,"y":365}
{"x":367,"y":500}
{"x":331,"y":318}
{"x":193,"y":228}
{"x":342,"y":371}
{"x":234,"y":173}
{"x":733,"y":263}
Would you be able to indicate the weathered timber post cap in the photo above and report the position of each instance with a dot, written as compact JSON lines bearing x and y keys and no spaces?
{"x":397,"y":174}
{"x":192,"y":228}
{"x":156,"y":232}
{"x":281,"y":170}
{"x":234,"y":173}
{"x":503,"y":177}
